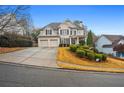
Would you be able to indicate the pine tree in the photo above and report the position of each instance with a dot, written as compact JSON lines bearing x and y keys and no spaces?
{"x":90,"y":39}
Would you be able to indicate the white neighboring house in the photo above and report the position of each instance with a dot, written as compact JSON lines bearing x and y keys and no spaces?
{"x":107,"y":43}
{"x":65,"y":33}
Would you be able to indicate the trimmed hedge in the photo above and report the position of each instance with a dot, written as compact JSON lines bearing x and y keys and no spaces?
{"x":23,"y":43}
{"x":73,"y":48}
{"x":84,"y":51}
{"x":12,"y":40}
{"x":90,"y":56}
{"x":80,"y":53}
{"x":98,"y":56}
{"x":4,"y":42}
{"x":88,"y":51}
{"x":104,"y":57}
{"x":101,"y":57}
{"x":85,"y":47}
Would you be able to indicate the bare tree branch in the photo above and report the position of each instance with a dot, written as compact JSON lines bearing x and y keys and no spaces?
{"x":7,"y":13}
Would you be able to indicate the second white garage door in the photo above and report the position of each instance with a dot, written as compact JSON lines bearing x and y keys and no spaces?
{"x":53,"y":43}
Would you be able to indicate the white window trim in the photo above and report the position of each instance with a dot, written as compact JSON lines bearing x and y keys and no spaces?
{"x":49,"y":32}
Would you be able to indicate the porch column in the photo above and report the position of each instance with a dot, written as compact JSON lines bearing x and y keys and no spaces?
{"x":69,"y":31}
{"x":59,"y":32}
{"x":77,"y":40}
{"x":58,"y":41}
{"x":70,"y":40}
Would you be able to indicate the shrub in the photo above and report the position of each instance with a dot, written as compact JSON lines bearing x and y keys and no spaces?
{"x":4,"y":41}
{"x":91,"y":56}
{"x":104,"y":57}
{"x":73,"y":48}
{"x":23,"y":43}
{"x":81,"y":48}
{"x":95,"y":50}
{"x":82,"y":42}
{"x":88,"y":51}
{"x":85,"y":47}
{"x":84,"y":51}
{"x":80,"y":53}
{"x":13,"y":40}
{"x":98,"y":56}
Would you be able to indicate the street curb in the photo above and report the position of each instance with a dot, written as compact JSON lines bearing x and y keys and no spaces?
{"x":26,"y":65}
{"x":55,"y":69}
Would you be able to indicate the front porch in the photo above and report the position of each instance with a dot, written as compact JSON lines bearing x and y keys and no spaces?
{"x":68,"y":41}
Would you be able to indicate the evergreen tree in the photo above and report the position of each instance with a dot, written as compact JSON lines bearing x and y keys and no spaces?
{"x":90,"y":39}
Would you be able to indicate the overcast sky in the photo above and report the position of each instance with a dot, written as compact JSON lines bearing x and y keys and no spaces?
{"x":100,"y":19}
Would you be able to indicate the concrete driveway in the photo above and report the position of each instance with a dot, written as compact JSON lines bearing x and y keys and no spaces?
{"x":32,"y":56}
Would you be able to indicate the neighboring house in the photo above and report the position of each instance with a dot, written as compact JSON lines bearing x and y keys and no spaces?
{"x":109,"y":44}
{"x":12,"y":26}
{"x":66,"y":33}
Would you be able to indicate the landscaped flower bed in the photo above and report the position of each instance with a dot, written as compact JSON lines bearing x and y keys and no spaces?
{"x":6,"y":50}
{"x":87,"y":52}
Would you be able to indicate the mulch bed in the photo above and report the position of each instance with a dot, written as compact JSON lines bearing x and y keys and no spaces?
{"x":6,"y":49}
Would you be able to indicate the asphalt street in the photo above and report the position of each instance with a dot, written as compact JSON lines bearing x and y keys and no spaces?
{"x":25,"y":76}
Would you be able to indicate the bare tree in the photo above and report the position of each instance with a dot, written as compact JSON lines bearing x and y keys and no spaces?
{"x":27,"y":23}
{"x":20,"y":13}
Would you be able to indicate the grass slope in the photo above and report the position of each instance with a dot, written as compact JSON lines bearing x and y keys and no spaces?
{"x":71,"y":61}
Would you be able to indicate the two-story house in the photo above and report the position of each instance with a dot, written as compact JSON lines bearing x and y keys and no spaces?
{"x":65,"y":33}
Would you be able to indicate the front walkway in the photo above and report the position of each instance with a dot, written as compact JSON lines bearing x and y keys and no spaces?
{"x":32,"y":56}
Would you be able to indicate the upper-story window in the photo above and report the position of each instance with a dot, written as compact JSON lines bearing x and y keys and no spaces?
{"x":48,"y":32}
{"x":64,"y":32}
{"x":67,"y":32}
{"x":60,"y":32}
{"x":70,"y":32}
{"x":74,"y":32}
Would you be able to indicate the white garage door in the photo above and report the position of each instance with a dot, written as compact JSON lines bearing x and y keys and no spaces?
{"x":53,"y":43}
{"x":49,"y":43}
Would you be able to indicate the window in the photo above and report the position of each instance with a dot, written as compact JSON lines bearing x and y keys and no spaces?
{"x":67,"y":32}
{"x":48,"y":32}
{"x":64,"y":32}
{"x":60,"y":32}
{"x":74,"y":32}
{"x":70,"y":32}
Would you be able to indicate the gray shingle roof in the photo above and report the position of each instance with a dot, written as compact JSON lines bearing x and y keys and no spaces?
{"x":113,"y":38}
{"x":56,"y":25}
{"x":115,"y":42}
{"x":52,"y":25}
